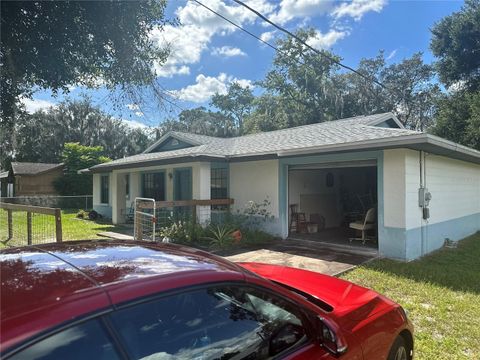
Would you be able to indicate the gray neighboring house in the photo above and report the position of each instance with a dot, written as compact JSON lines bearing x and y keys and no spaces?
{"x":333,"y":170}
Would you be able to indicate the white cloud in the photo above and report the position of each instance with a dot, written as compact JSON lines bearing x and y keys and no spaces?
{"x":357,"y":8}
{"x":291,"y":9}
{"x":33,"y":105}
{"x":228,"y":51}
{"x":207,"y":86}
{"x":188,"y":41}
{"x":392,"y":54}
{"x":326,"y":40}
{"x":134,"y":124}
{"x":267,"y":36}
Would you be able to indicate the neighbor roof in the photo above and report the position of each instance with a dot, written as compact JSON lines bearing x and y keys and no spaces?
{"x":29,"y":168}
{"x":356,"y":133}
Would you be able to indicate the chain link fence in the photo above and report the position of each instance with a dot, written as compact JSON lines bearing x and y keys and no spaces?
{"x":71,"y":203}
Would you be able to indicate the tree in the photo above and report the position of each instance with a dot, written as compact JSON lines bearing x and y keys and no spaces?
{"x":458,"y":118}
{"x":54,"y":44}
{"x":40,"y":137}
{"x":456,"y":43}
{"x":304,"y":82}
{"x":236,"y":104}
{"x":77,"y":157}
{"x":200,"y":121}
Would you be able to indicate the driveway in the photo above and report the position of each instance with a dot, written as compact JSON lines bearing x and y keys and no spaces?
{"x":308,"y":255}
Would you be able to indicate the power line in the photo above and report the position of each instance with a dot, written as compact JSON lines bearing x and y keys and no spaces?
{"x":264,"y":18}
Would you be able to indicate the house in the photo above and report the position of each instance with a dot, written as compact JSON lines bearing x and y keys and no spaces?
{"x":26,"y":179}
{"x":425,"y":189}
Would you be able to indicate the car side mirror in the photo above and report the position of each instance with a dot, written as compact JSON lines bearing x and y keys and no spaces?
{"x":330,"y":337}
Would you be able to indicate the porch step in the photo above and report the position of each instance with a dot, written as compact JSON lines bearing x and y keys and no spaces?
{"x":352,"y":249}
{"x":115,"y":235}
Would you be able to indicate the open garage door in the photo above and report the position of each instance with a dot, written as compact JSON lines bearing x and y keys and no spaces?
{"x":330,"y":202}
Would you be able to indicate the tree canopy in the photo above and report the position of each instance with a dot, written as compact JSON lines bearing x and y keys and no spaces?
{"x":76,"y":157}
{"x":40,"y":137}
{"x":456,"y":43}
{"x":55,"y":44}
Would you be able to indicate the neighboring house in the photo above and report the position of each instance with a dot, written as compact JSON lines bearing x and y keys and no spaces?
{"x":26,"y":179}
{"x":334,"y":171}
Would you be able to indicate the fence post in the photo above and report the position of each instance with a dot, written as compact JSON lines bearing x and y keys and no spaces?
{"x":194,"y":214}
{"x":29,"y":228}
{"x":10,"y":224}
{"x":58,"y":225}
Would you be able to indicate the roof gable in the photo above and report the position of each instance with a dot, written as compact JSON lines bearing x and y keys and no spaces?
{"x":175,"y":140}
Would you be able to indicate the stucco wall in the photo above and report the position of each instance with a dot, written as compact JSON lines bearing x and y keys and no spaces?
{"x":454,"y":208}
{"x":254,"y":181}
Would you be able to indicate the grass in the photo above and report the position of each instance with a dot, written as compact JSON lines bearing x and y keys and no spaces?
{"x":44,"y":228}
{"x":441,"y":292}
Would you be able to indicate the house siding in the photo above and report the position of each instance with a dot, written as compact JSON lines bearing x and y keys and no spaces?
{"x":454,"y":208}
{"x":41,"y":184}
{"x":256,"y":181}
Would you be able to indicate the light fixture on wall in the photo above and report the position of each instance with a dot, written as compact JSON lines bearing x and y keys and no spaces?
{"x":170,"y":175}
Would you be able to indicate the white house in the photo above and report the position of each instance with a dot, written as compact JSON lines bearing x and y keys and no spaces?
{"x":332,"y":170}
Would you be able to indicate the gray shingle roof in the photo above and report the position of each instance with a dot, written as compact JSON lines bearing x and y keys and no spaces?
{"x":29,"y":168}
{"x":344,"y":131}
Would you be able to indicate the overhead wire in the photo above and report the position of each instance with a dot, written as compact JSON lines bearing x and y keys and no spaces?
{"x":264,"y":18}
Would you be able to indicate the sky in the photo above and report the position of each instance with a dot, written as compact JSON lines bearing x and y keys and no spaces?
{"x":207,"y":53}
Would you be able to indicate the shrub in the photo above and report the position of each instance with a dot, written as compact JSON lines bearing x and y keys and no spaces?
{"x":220,"y":235}
{"x":256,"y":236}
{"x":82,"y":214}
{"x":182,"y":231}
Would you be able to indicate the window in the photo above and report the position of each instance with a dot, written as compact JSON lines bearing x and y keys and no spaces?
{"x":84,"y":341}
{"x":104,"y":182}
{"x":219,"y":183}
{"x":214,"y":323}
{"x":154,"y":186}
{"x":127,"y":186}
{"x":182,"y":184}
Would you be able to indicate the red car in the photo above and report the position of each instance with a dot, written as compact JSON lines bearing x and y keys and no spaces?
{"x":140,"y":300}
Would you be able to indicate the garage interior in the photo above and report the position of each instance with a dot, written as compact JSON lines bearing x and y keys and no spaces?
{"x":333,"y":203}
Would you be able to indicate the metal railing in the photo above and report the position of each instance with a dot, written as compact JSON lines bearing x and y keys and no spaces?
{"x":151,"y":215}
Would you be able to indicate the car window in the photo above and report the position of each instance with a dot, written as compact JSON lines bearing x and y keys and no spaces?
{"x":214,"y":323}
{"x":85,"y":341}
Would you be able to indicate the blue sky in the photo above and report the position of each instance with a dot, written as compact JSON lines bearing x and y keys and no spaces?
{"x":208,"y":54}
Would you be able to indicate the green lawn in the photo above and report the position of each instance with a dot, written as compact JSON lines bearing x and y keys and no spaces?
{"x":441,"y":292}
{"x":44,"y":228}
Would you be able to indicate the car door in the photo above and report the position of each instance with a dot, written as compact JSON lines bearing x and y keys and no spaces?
{"x":224,"y":321}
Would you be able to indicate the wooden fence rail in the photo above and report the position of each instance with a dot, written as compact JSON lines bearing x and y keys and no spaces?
{"x":56,"y":212}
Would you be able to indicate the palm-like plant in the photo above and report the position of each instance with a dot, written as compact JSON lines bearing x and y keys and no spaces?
{"x":221,"y":235}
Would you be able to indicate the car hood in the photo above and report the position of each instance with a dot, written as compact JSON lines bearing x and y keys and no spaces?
{"x":345,"y":300}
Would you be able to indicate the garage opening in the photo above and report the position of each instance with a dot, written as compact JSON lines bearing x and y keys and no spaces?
{"x":334,"y":203}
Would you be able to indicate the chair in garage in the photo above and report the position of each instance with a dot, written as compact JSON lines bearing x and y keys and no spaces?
{"x":298,"y":222}
{"x":368,"y":223}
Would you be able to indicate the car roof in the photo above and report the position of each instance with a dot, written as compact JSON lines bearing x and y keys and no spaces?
{"x":46,"y":285}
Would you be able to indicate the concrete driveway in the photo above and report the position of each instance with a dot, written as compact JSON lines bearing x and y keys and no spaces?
{"x":309,"y":255}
